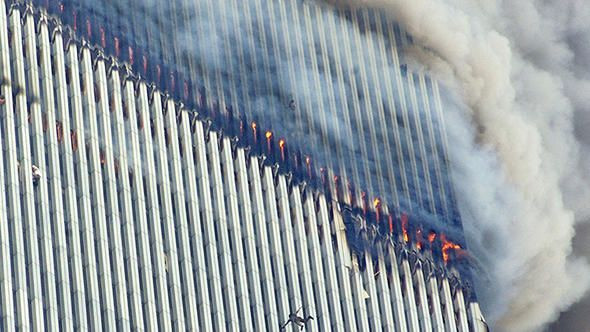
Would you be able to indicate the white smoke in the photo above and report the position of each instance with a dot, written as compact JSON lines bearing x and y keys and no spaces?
{"x":520,"y":67}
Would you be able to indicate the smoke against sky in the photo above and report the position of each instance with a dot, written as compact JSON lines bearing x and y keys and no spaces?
{"x":520,"y":148}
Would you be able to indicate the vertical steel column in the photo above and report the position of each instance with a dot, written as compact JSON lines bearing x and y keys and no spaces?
{"x":343,"y":107}
{"x":285,"y":224}
{"x":272,"y":308}
{"x":73,"y":259}
{"x":477,"y":323}
{"x":437,"y":157}
{"x":461,"y":311}
{"x":383,"y":285}
{"x":274,"y":240}
{"x":338,"y":278}
{"x":436,"y":316}
{"x":131,"y":260}
{"x":249,"y":237}
{"x":355,"y":108}
{"x":197,"y":244}
{"x":408,"y":291}
{"x":96,"y":159}
{"x":395,"y":290}
{"x":447,"y":305}
{"x":221,"y":233}
{"x":323,"y":270}
{"x":78,"y":136}
{"x":234,"y":229}
{"x":314,"y":301}
{"x":13,"y":281}
{"x":368,"y":317}
{"x":135,"y":124}
{"x":421,"y":297}
{"x":367,"y":114}
{"x":39,"y":251}
{"x":104,"y":109}
{"x":166,"y":215}
{"x":178,"y":183}
{"x":208,"y":229}
{"x":376,"y":51}
{"x":157,"y":253}
{"x":58,"y":285}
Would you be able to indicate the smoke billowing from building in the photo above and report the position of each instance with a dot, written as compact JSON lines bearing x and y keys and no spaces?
{"x":515,"y":110}
{"x":520,"y":149}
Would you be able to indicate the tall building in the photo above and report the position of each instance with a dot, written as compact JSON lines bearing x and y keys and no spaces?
{"x":145,"y":188}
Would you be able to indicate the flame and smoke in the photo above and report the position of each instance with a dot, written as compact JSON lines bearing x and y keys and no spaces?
{"x":520,"y":75}
{"x":404,"y":222}
{"x":515,"y":112}
{"x":282,"y":147}
{"x":377,"y":206}
{"x":447,"y":246}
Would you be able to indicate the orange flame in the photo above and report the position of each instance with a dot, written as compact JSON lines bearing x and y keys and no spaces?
{"x":253,"y":125}
{"x":377,"y":202}
{"x":446,"y":246}
{"x":268,"y":138}
{"x":390,"y":219}
{"x":405,"y":228}
{"x":377,"y":205}
{"x":282,"y":147}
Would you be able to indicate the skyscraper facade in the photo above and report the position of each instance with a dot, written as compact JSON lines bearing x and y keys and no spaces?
{"x":145,"y":187}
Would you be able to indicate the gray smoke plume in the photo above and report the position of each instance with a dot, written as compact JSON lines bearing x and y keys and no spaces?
{"x":520,"y":150}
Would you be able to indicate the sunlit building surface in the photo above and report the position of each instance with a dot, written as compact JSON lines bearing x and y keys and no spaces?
{"x":127,"y":205}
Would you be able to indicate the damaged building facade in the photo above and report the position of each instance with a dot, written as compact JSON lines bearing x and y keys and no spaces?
{"x":143,"y":191}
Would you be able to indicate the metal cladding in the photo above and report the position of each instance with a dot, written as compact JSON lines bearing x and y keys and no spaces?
{"x":121,"y":209}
